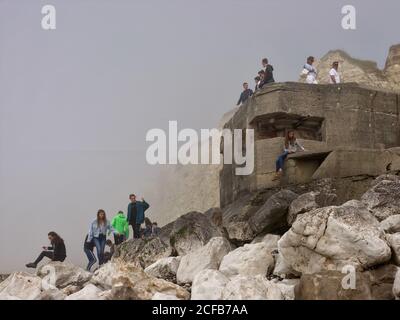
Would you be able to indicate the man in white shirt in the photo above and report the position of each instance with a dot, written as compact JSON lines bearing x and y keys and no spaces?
{"x":310,"y":71}
{"x":334,"y":77}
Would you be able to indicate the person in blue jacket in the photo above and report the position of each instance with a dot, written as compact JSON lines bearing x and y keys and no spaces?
{"x":136,"y":211}
{"x":99,"y":229}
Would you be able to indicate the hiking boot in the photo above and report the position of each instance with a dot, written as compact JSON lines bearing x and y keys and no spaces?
{"x":31,"y":265}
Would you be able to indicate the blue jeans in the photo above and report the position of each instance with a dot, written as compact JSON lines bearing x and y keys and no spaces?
{"x":281,"y":161}
{"x":91,"y":257}
{"x":100,"y":244}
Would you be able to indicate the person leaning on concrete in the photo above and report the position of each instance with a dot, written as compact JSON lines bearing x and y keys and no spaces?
{"x":136,"y":211}
{"x":269,"y":72}
{"x":291,"y":146}
{"x":245,"y":94}
{"x":309,"y":71}
{"x":334,"y":76}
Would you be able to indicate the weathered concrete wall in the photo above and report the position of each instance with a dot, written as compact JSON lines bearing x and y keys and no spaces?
{"x":337,"y":116}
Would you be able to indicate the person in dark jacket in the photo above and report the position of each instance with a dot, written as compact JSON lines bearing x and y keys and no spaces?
{"x":268,"y":72}
{"x":245,"y":94}
{"x":155,"y":229}
{"x":136,"y":211}
{"x":55,"y":252}
{"x":147,"y":231}
{"x":88,"y":247}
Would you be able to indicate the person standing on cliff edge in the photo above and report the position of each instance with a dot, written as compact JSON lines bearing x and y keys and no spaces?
{"x":310,"y":71}
{"x":247,"y":93}
{"x":334,"y":76}
{"x":136,"y":211}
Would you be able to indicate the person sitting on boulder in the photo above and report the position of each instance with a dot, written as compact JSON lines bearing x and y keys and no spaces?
{"x":291,"y":146}
{"x":88,"y":247}
{"x":136,"y":211}
{"x":55,"y":252}
{"x":121,"y":228}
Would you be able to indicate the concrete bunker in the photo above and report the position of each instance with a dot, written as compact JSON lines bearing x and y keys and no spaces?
{"x":278,"y":123}
{"x":347,"y":130}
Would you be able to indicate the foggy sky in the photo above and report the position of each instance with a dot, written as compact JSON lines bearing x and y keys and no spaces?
{"x":76,"y":102}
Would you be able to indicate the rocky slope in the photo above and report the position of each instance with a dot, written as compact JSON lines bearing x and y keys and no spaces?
{"x":280,"y":246}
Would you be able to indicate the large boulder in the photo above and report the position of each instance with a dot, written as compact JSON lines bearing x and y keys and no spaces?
{"x":391,"y":224}
{"x":62,"y":274}
{"x":164,"y":268}
{"x":243,"y":287}
{"x":282,"y":269}
{"x":271,"y":240}
{"x":309,"y":201}
{"x":331,"y":237}
{"x":239,"y":232}
{"x":89,"y":292}
{"x":103,"y":276}
{"x":387,"y":177}
{"x":192,"y":231}
{"x":334,"y":285}
{"x":287,"y":287}
{"x":383,"y":199}
{"x":272,"y":215}
{"x":130,"y":282}
{"x":142,"y":252}
{"x":208,"y":284}
{"x":52,"y":294}
{"x":250,"y":260}
{"x":394,"y":242}
{"x":206,"y":257}
{"x":235,"y":218}
{"x":21,"y":286}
